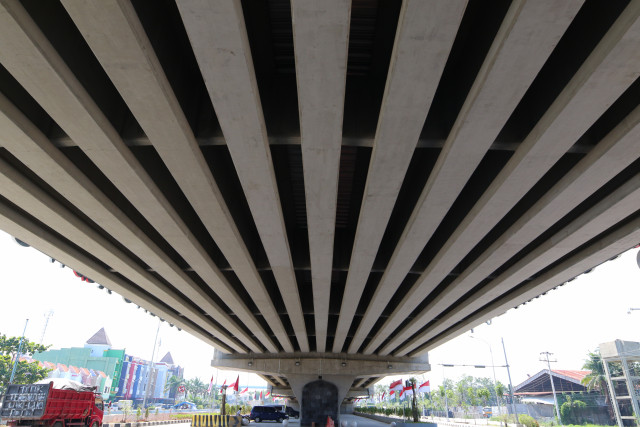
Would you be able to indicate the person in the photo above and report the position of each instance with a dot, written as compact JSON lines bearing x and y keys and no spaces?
{"x":238,"y":413}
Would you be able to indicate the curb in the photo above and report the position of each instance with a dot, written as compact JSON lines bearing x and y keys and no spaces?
{"x":146,"y":423}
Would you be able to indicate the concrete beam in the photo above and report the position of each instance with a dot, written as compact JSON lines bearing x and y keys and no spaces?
{"x":230,"y":79}
{"x":43,"y":73}
{"x":321,"y":39}
{"x":620,"y":240}
{"x":321,"y":364}
{"x":610,"y":211}
{"x":587,"y":96}
{"x":22,"y":227}
{"x":612,"y":155}
{"x":526,"y":38}
{"x":425,"y":34}
{"x":116,"y":36}
{"x":27,"y":196}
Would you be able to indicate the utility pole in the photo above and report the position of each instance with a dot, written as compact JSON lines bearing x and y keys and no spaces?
{"x":15,"y":363}
{"x":513,"y":402}
{"x":545,"y":356}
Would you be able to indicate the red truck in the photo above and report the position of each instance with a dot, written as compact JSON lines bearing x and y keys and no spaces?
{"x":42,"y":405}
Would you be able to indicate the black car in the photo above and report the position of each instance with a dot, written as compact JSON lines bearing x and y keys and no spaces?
{"x":267,"y":413}
{"x":287,"y":410}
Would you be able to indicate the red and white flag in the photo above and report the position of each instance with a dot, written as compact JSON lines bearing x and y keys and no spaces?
{"x":396,"y":385}
{"x":260,"y":395}
{"x":424,"y":387}
{"x":234,"y":386}
{"x":222,"y":387}
{"x":383,"y":393}
{"x":210,"y":385}
{"x":391,"y":392}
{"x":245,"y":390}
{"x":267,"y":394}
{"x":407,"y":391}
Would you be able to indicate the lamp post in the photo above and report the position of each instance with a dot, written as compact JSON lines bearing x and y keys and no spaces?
{"x":146,"y":394}
{"x":493,"y":367}
{"x":15,"y":363}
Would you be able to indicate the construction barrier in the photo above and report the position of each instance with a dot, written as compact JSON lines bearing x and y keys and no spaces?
{"x":216,"y":421}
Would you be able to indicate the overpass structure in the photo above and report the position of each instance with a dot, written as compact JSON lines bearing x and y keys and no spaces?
{"x":322,"y":188}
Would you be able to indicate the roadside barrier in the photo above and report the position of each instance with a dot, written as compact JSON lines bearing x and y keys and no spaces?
{"x":216,"y":421}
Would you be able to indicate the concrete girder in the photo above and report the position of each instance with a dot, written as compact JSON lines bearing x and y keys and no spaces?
{"x":585,"y":98}
{"x":418,"y":57}
{"x":43,"y":73}
{"x":321,"y":39}
{"x":611,"y":156}
{"x":19,"y":225}
{"x":528,"y":34}
{"x":231,"y":82}
{"x":622,"y":239}
{"x":613,"y":209}
{"x":27,"y":196}
{"x":24,"y":141}
{"x":117,"y":38}
{"x":321,"y":364}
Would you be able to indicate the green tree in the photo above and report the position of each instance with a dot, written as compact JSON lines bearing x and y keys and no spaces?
{"x":500,"y":389}
{"x":173,"y":383}
{"x":414,"y":406}
{"x":484,"y":394}
{"x":596,"y":379}
{"x":26,"y":373}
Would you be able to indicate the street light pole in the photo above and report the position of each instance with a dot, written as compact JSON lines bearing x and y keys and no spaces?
{"x":153,"y":353}
{"x":546,"y":355}
{"x":15,"y":363}
{"x":513,"y":403}
{"x":495,"y":382}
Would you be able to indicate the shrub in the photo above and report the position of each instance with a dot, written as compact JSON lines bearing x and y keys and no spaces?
{"x":528,"y":420}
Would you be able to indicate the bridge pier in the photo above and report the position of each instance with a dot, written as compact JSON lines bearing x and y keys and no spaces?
{"x":321,"y":382}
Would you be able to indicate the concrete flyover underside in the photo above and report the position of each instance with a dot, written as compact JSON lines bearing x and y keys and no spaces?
{"x":322,"y":182}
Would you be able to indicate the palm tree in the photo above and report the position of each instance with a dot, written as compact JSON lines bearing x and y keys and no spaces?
{"x":172,"y":384}
{"x":596,"y":379}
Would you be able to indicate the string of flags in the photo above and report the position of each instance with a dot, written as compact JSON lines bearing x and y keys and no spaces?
{"x":397,"y":388}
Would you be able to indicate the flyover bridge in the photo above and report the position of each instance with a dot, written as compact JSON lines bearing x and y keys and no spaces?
{"x":322,"y":188}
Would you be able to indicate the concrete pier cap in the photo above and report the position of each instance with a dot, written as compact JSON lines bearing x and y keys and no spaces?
{"x":322,"y":384}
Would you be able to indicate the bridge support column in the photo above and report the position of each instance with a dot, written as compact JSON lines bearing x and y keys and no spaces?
{"x":320,"y":396}
{"x":321,"y":382}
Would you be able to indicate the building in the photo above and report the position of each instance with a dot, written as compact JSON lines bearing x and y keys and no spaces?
{"x":95,"y":356}
{"x":536,"y":395}
{"x":621,"y":361}
{"x":117,"y":374}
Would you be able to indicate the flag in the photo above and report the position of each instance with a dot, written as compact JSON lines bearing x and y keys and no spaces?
{"x":222,"y":387}
{"x":267,"y":394}
{"x":391,"y":392}
{"x":401,"y":393}
{"x":396,"y":385}
{"x":407,"y":390}
{"x":245,"y":390}
{"x":210,"y":385}
{"x":383,"y":393}
{"x":424,"y":387}
{"x":234,"y":386}
{"x":260,"y":394}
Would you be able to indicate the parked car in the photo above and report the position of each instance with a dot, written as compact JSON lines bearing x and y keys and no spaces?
{"x":287,"y":410}
{"x":267,"y":413}
{"x":487,"y":412}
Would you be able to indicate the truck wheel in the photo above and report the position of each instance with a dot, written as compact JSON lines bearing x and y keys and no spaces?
{"x":95,"y":424}
{"x":258,"y":419}
{"x":279,"y":420}
{"x":58,"y":424}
